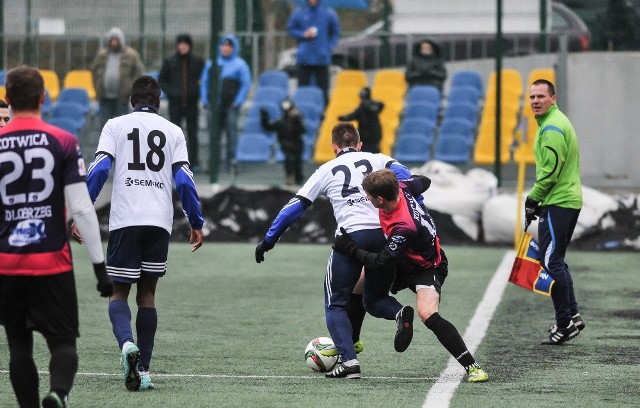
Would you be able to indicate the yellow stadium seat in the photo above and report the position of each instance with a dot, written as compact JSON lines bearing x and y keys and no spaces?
{"x":508,"y":110}
{"x":485,"y":146}
{"x":3,"y":92}
{"x":323,"y":151}
{"x":392,"y":78}
{"x":80,"y":79}
{"x":351,"y":77}
{"x":51,"y":83}
{"x":510,"y":78}
{"x":507,"y":93}
{"x":530,"y":128}
{"x":541,"y":73}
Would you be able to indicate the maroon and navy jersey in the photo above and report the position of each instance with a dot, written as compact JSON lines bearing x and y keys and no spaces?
{"x":410,"y":231}
{"x":37,"y":161}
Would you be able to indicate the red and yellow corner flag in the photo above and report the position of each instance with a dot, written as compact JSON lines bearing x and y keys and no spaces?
{"x":527,"y":271}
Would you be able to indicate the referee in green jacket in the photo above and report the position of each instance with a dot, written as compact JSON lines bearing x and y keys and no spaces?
{"x":556,"y":198}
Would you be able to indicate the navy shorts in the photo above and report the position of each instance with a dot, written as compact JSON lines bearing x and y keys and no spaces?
{"x":423,"y":277}
{"x":47,"y":304}
{"x":137,"y":251}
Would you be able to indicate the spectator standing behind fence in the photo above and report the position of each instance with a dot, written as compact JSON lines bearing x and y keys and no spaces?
{"x":114,"y":69}
{"x":367,"y":115}
{"x":317,"y":30}
{"x":290,"y":129}
{"x":426,"y":66}
{"x":5,"y":117}
{"x":180,"y":79}
{"x":234,"y":84}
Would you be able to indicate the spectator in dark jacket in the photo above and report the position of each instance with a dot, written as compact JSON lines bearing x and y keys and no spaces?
{"x":367,"y":115}
{"x":180,"y":79}
{"x":290,"y":129}
{"x":426,"y":66}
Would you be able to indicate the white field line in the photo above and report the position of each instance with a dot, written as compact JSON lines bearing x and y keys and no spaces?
{"x":243,"y":377}
{"x":441,"y":392}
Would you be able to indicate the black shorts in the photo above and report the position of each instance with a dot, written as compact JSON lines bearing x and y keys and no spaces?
{"x":433,"y":277}
{"x":137,"y":251}
{"x":47,"y":304}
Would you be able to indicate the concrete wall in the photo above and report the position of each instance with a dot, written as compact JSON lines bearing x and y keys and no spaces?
{"x":601,"y":99}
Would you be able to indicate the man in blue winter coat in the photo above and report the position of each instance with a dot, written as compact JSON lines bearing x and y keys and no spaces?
{"x":317,"y":30}
{"x":234,"y":84}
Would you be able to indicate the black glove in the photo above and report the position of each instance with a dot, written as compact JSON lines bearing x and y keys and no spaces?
{"x":531,"y":209}
{"x":261,"y":248}
{"x":344,"y":243}
{"x":105,"y":286}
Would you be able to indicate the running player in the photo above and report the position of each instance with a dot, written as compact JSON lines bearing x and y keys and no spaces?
{"x":148,"y":152}
{"x":41,"y":172}
{"x":340,"y":180}
{"x":413,"y":251}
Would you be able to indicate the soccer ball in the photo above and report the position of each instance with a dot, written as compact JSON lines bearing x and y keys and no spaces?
{"x":316,"y":361}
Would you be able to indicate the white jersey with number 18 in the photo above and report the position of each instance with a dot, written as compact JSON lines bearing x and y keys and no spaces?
{"x":144,"y":147}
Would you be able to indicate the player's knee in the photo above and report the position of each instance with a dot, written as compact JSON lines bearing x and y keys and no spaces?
{"x":425,"y":312}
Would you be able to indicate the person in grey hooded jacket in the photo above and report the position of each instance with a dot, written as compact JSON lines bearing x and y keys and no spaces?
{"x":114,"y":69}
{"x":426,"y":66}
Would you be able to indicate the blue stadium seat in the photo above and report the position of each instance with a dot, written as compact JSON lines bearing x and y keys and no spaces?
{"x":47,"y":106}
{"x":417,"y":126}
{"x":452,"y":148}
{"x":422,"y":94}
{"x":421,"y":110}
{"x":254,"y":125}
{"x":310,"y":111}
{"x":75,"y":95}
{"x":273,"y":108}
{"x":309,"y":94}
{"x":253,"y":147}
{"x":412,"y":149}
{"x":65,"y":123}
{"x":462,"y":110}
{"x":467,"y":78}
{"x":464,"y":94}
{"x":269,"y":94}
{"x":457,"y":126}
{"x":279,"y":79}
{"x":2,"y":76}
{"x":71,"y":110}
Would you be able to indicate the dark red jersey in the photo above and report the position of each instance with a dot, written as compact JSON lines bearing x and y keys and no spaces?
{"x":410,"y":230}
{"x":37,"y":161}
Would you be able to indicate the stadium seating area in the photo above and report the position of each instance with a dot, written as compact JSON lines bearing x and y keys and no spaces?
{"x":417,"y":124}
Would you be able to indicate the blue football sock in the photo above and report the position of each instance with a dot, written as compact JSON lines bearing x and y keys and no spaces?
{"x":120,"y":316}
{"x":146,"y":324}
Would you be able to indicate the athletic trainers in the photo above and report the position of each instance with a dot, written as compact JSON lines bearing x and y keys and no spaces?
{"x":576,"y":319}
{"x":559,"y":336}
{"x":145,"y":381}
{"x":129,"y":361}
{"x":404,"y":332}
{"x":477,"y":374}
{"x":53,"y":400}
{"x":342,"y":371}
{"x":333,"y":351}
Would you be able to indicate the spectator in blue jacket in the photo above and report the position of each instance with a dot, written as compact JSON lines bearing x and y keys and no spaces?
{"x":234,"y":84}
{"x":317,"y":30}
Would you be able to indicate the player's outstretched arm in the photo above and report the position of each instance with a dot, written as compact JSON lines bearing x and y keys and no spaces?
{"x":287,"y":216}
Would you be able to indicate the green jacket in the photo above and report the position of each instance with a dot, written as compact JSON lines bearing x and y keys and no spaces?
{"x":557,"y":160}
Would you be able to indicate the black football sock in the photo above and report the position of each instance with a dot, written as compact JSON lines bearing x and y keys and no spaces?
{"x":449,"y":337}
{"x":356,"y":314}
{"x":146,"y":325}
{"x":22,"y":369}
{"x":63,"y":365}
